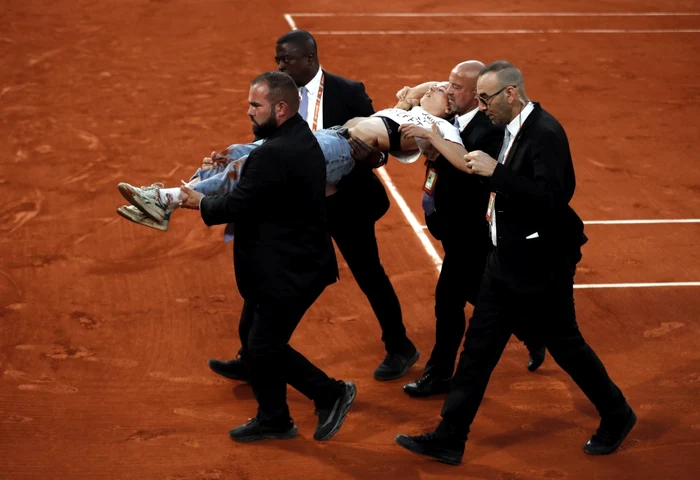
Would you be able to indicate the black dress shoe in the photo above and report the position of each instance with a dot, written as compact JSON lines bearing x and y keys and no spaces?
{"x":610,"y":434}
{"x":331,"y":419}
{"x":536,"y":358}
{"x":395,"y":365}
{"x":236,"y":369}
{"x":254,"y":430}
{"x":429,"y":384}
{"x":430,"y":444}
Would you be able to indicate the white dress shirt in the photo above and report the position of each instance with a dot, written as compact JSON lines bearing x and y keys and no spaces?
{"x":312,"y":92}
{"x":462,"y":121}
{"x":513,"y":127}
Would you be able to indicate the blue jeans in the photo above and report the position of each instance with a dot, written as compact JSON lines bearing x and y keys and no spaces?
{"x":224,"y":178}
{"x":336,"y":149}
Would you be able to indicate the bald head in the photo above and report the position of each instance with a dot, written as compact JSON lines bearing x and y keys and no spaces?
{"x":469,"y":69}
{"x":462,"y":89}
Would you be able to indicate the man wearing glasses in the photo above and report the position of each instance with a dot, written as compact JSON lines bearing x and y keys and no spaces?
{"x":454,"y":213}
{"x":528,"y":282}
{"x":328,"y":100}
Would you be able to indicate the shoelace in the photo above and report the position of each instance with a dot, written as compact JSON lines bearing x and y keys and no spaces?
{"x":153,"y":188}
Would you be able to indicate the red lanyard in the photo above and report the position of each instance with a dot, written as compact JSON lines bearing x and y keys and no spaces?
{"x":318,"y":103}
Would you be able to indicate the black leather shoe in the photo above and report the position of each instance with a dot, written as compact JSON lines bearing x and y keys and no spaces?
{"x":236,"y":369}
{"x":395,"y":365}
{"x":429,"y":384}
{"x":331,"y":419}
{"x":254,"y":430}
{"x":536,"y":358}
{"x":610,"y":434}
{"x":430,"y":444}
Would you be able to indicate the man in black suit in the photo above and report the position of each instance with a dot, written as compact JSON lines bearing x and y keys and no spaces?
{"x":283,"y":258}
{"x":454,"y":213}
{"x":329,"y":100}
{"x":528,"y":282}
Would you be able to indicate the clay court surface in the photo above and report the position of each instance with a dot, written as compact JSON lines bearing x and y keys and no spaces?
{"x":106,"y":326}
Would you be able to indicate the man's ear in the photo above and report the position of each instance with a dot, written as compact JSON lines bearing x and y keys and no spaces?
{"x":281,"y":109}
{"x":513,"y":96}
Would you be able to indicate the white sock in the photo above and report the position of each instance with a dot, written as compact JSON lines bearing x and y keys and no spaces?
{"x":170,"y":197}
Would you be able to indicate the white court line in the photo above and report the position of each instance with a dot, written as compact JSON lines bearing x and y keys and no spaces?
{"x":437,"y":260}
{"x":642,"y":222}
{"x":638,"y":285}
{"x":417,"y":228}
{"x":501,"y":14}
{"x":290,"y":21}
{"x":637,"y":222}
{"x":499,"y":32}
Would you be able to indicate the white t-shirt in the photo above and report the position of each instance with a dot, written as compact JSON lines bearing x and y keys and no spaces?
{"x":418,"y":116}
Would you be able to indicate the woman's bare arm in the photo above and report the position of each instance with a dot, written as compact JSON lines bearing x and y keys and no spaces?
{"x":453,"y":152}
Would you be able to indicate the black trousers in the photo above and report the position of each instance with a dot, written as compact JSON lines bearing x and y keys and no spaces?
{"x":459,"y":282}
{"x":547,"y":313}
{"x":265,"y":329}
{"x":353,"y":230}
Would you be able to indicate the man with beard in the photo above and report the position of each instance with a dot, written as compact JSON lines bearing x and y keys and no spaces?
{"x":528,"y":281}
{"x":329,"y":100}
{"x":283,"y":259}
{"x":454,"y":213}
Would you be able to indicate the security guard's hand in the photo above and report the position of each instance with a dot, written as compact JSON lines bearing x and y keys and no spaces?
{"x":480,"y":163}
{"x":189,"y":198}
{"x":209,"y":162}
{"x":366,"y":155}
{"x":401,"y":94}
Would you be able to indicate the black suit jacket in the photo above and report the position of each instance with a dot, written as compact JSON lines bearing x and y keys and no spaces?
{"x":360,"y":193}
{"x":533,"y":189}
{"x":282,"y":247}
{"x":460,"y":198}
{"x":343,"y":99}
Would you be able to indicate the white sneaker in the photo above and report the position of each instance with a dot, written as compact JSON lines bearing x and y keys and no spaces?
{"x":146,"y":199}
{"x":137,"y":216}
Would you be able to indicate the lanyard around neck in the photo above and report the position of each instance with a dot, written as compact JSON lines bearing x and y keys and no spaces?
{"x":319,"y":95}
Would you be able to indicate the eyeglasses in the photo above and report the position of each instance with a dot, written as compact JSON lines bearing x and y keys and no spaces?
{"x":485,"y":100}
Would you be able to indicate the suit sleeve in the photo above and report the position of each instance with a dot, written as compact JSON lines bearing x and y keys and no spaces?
{"x":553,"y":182}
{"x":262,"y":173}
{"x":362,"y":102}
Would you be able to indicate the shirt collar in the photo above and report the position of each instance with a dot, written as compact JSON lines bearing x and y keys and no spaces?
{"x":463,"y":120}
{"x":517,"y":123}
{"x":313,"y":86}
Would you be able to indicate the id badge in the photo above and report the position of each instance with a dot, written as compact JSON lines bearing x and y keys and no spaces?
{"x":430,"y":180}
{"x":489,"y":210}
